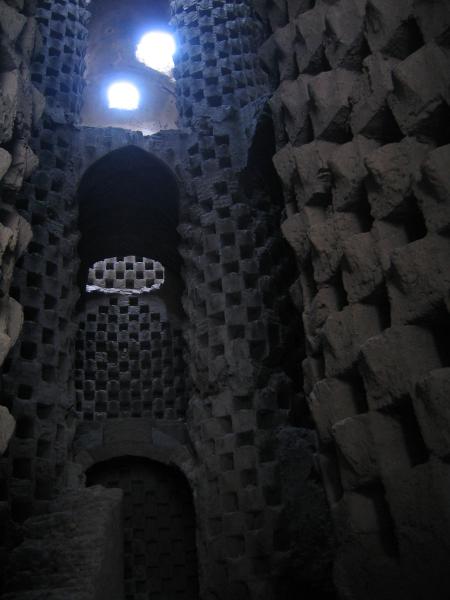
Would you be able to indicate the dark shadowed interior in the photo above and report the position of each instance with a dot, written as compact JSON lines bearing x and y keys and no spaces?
{"x":225,"y":314}
{"x":128,"y":206}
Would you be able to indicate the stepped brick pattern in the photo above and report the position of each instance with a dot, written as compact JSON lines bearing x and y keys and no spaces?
{"x":126,"y":273}
{"x":36,"y":375}
{"x":129,"y":360}
{"x":258,"y":301}
{"x":21,"y":107}
{"x":361,"y":115}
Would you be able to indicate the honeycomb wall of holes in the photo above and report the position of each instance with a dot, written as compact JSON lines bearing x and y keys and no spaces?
{"x":238,"y":273}
{"x":361,"y":115}
{"x":21,"y":107}
{"x":36,"y":375}
{"x":362,"y":96}
{"x":126,"y":272}
{"x":129,"y":359}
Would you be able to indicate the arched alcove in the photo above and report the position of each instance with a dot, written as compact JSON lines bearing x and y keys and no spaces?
{"x":128,"y":205}
{"x":160,"y":557}
{"x":129,"y":353}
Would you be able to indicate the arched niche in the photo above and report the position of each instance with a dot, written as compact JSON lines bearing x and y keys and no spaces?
{"x":159,"y":552}
{"x":129,"y":345}
{"x":128,"y":205}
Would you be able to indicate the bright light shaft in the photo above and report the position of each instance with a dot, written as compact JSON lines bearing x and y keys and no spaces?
{"x":156,"y":50}
{"x":123,"y":95}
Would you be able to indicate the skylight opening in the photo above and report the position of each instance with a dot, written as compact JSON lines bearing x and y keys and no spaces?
{"x":124,"y":96}
{"x":156,"y":50}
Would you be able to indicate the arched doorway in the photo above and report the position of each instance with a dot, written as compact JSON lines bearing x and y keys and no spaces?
{"x":160,"y":559}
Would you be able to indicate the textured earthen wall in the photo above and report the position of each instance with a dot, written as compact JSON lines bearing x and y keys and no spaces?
{"x":253,"y":469}
{"x":37,"y":378}
{"x":361,"y":114}
{"x":126,"y":272}
{"x":73,"y":553}
{"x":36,"y":374}
{"x":129,"y":359}
{"x":361,"y":129}
{"x":240,"y":324}
{"x":21,"y":106}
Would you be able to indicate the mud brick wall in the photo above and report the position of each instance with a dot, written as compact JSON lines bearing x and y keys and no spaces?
{"x":35,"y":378}
{"x":216,"y":65}
{"x":129,"y":359}
{"x":21,"y":103}
{"x":360,"y":120}
{"x":237,"y":278}
{"x":126,"y":272}
{"x":361,"y":113}
{"x":75,"y":551}
{"x":240,"y":321}
{"x":21,"y":106}
{"x":58,"y":68}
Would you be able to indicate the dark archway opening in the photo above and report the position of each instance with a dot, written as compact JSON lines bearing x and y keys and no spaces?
{"x":128,"y":205}
{"x":160,"y":559}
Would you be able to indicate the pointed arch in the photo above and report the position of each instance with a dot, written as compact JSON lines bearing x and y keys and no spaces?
{"x":128,"y":205}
